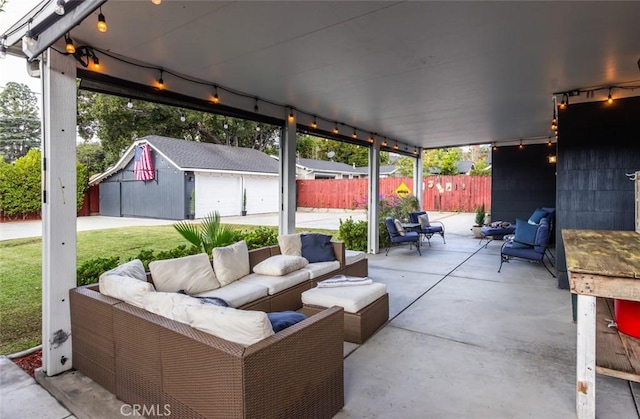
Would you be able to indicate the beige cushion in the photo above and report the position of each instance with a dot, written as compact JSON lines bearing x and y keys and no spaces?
{"x":231,"y":262}
{"x":399,"y":227}
{"x":353,"y":256}
{"x":352,"y":299}
{"x":170,"y":305}
{"x":318,"y":269}
{"x":193,"y":274}
{"x":275,"y":284}
{"x":280,"y":265}
{"x":125,"y":288}
{"x":424,"y":220}
{"x":133,"y":269}
{"x":290,"y":244}
{"x":238,"y":293}
{"x":241,"y":326}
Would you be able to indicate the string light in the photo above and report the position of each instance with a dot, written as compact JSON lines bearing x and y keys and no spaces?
{"x":256,"y":109}
{"x":549,"y":144}
{"x":609,"y":99}
{"x":335,"y":129}
{"x":521,"y":146}
{"x":314,"y":124}
{"x":370,"y":139}
{"x":130,"y":104}
{"x":96,"y":63}
{"x":69,"y":47}
{"x":354,"y":135}
{"x":495,"y":147}
{"x":182,"y":117}
{"x":384,"y":143}
{"x":258,"y":128}
{"x":563,"y":104}
{"x":28,"y":37}
{"x":59,"y":9}
{"x":161,"y":81}
{"x":291,"y":117}
{"x":395,"y":146}
{"x":3,"y":48}
{"x":156,"y":2}
{"x":102,"y":22}
{"x":215,"y":98}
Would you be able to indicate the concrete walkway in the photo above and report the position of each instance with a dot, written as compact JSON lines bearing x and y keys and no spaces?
{"x":462,"y":342}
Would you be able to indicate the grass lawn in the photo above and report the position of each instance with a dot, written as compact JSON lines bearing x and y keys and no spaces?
{"x":21,"y":274}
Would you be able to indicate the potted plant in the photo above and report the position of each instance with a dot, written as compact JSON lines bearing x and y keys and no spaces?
{"x":244,"y":202}
{"x":192,"y":205}
{"x":479,"y":222}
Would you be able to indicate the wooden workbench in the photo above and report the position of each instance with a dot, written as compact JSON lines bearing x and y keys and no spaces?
{"x":602,"y":264}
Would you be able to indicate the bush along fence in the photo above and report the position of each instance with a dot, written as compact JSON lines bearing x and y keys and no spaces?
{"x":440,"y":193}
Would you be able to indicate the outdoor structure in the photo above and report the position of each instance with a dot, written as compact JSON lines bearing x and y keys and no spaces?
{"x":322,"y":169}
{"x":396,"y":77}
{"x":188,"y":178}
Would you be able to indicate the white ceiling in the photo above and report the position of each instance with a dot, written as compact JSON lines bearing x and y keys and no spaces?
{"x":430,"y":74}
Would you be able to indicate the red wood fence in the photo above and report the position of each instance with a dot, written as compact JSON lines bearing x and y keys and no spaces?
{"x":440,"y":193}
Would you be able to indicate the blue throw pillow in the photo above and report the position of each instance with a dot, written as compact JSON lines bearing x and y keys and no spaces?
{"x":317,"y":248}
{"x":525,"y":232}
{"x":537,"y":215}
{"x":283,"y":319}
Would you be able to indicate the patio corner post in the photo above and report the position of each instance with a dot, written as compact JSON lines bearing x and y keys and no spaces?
{"x":287,"y":219}
{"x":418,"y":179}
{"x":59,"y":211}
{"x":373,"y":199}
{"x":586,"y":357}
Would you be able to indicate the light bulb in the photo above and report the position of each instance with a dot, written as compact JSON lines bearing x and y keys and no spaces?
{"x":130,"y":104}
{"x":69,"y":47}
{"x":59,"y":9}
{"x":215,"y":98}
{"x":3,"y":51}
{"x":609,"y":99}
{"x":102,"y":23}
{"x":156,"y":2}
{"x":96,"y":63}
{"x":182,"y":117}
{"x":291,"y":118}
{"x":314,"y":124}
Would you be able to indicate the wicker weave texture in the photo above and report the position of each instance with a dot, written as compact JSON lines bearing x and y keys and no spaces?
{"x":359,"y":268}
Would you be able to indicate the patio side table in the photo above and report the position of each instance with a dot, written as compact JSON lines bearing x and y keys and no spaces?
{"x":602,"y":264}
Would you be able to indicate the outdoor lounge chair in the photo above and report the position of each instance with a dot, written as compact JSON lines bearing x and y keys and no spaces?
{"x":427,"y":227}
{"x":517,"y":247}
{"x":398,"y":238}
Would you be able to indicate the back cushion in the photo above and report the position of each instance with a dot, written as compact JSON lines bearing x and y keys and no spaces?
{"x":170,"y":305}
{"x":125,"y":288}
{"x":290,"y":244}
{"x":279,"y":265}
{"x":231,"y":262}
{"x":317,"y":248}
{"x":399,"y":227}
{"x":537,"y":215}
{"x":240,"y":326}
{"x":193,"y":274}
{"x":424,"y":220}
{"x":525,"y":232}
{"x":133,"y":269}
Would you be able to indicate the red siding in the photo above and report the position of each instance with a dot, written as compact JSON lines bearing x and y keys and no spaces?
{"x":441,"y":193}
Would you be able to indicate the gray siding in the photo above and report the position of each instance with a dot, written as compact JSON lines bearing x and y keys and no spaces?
{"x":163,"y":197}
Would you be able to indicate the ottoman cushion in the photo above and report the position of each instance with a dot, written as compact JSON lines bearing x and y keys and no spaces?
{"x":352,"y":256}
{"x":352,"y":299}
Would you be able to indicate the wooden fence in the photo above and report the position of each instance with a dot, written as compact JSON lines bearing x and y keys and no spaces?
{"x":440,"y":193}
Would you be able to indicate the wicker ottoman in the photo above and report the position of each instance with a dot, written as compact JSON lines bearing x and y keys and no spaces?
{"x":366,"y":307}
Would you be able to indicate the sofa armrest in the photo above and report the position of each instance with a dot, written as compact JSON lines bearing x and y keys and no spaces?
{"x":338,"y":250}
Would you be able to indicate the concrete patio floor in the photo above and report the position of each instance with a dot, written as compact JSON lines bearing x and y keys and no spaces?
{"x":462,"y":341}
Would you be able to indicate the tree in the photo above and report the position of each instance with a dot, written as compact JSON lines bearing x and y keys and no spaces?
{"x":310,"y":147}
{"x":19,"y":121}
{"x":117,"y":125}
{"x":481,"y":168}
{"x":92,"y":156}
{"x":442,"y":160}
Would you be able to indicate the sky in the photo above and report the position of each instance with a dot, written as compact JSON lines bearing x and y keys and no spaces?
{"x":12,"y":68}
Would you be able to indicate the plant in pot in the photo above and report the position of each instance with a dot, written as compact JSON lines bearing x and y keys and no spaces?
{"x":479,"y":222}
{"x":244,"y":202}
{"x":192,"y":205}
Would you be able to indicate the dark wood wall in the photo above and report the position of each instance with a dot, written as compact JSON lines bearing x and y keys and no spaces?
{"x":598,"y":143}
{"x":522,"y":180}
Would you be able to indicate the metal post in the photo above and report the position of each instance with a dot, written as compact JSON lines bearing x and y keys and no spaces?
{"x":373,"y":198}
{"x":287,"y":221}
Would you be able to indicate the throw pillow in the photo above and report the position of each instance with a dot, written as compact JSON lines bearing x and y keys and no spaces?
{"x":290,"y":244}
{"x":279,"y":265}
{"x":424,"y":221}
{"x":399,"y":227}
{"x":282,"y":320}
{"x":125,"y":288}
{"x":317,"y":248}
{"x":193,"y":274}
{"x":231,"y":263}
{"x":245,"y":327}
{"x":537,"y":215}
{"x":525,"y":232}
{"x":133,"y":269}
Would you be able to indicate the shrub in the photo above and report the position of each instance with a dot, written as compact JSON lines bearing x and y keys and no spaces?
{"x":260,"y":237}
{"x":479,"y":221}
{"x":354,"y":234}
{"x":208,"y":234}
{"x":90,"y":270}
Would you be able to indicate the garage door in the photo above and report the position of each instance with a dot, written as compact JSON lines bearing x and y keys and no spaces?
{"x":218,"y":193}
{"x":262,"y":194}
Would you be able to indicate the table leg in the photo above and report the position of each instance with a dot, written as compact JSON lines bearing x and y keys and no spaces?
{"x":586,"y":358}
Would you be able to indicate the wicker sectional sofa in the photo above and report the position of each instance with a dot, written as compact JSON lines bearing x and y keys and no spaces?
{"x":150,"y":360}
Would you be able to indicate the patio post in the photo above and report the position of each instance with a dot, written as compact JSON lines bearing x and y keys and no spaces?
{"x":58,"y":207}
{"x":374,"y":197}
{"x":418,"y":179}
{"x":287,"y":215}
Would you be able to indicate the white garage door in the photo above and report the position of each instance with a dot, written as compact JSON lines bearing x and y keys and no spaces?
{"x":218,"y":193}
{"x":262,"y":194}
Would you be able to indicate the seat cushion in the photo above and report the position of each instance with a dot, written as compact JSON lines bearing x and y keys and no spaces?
{"x":171,"y":305}
{"x":237,"y":293}
{"x":318,"y":269}
{"x":353,"y":256}
{"x":231,"y":263}
{"x":278,"y":265}
{"x":244,"y":327}
{"x":193,"y":274}
{"x":352,"y":299}
{"x":275,"y":284}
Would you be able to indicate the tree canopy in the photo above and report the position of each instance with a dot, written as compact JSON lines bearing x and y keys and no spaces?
{"x":19,"y":121}
{"x":310,"y":147}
